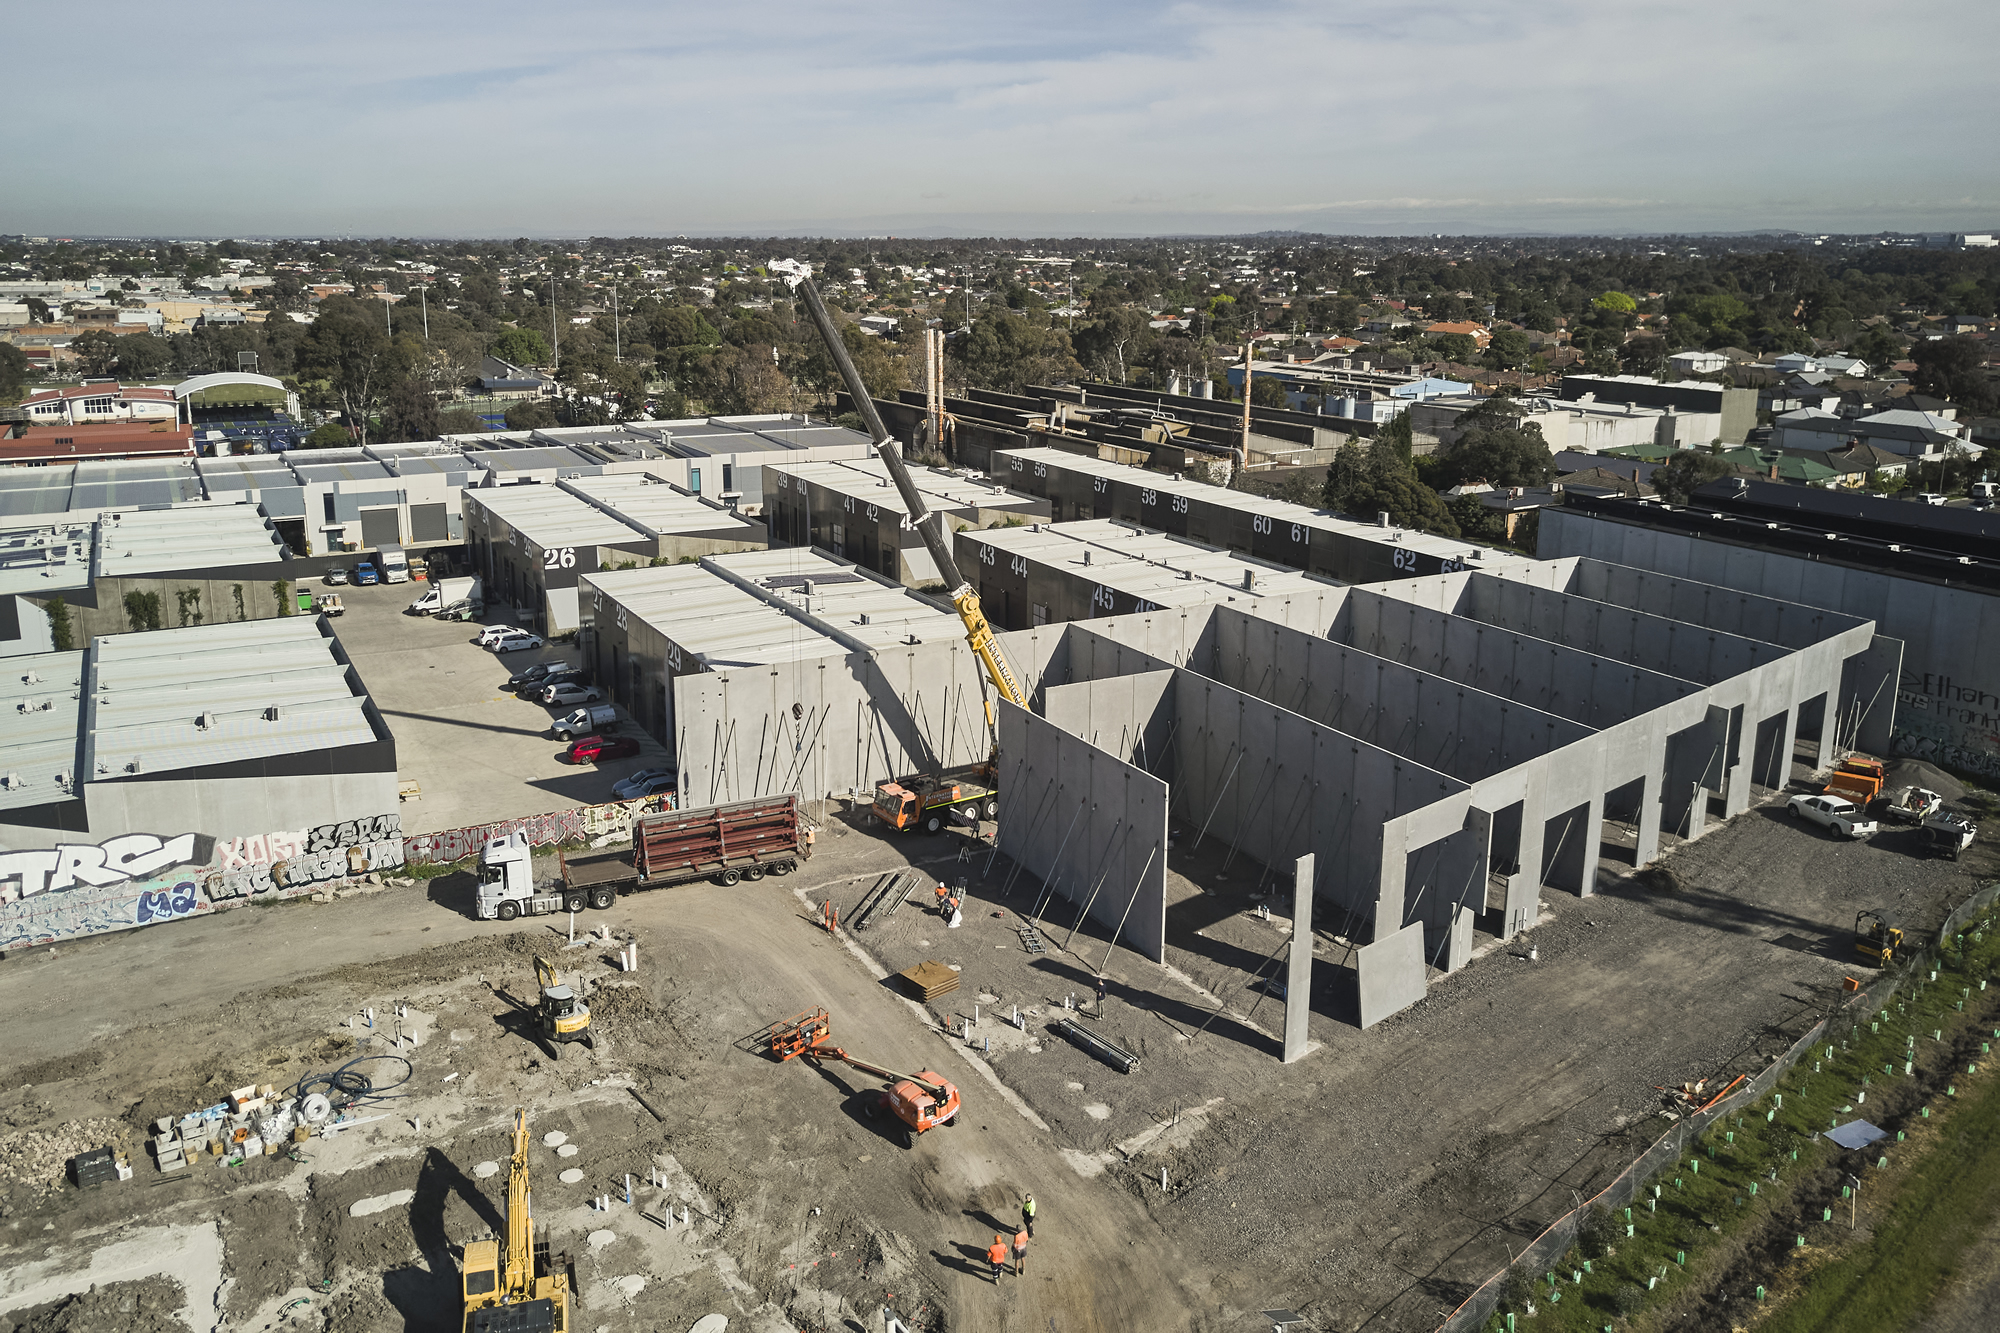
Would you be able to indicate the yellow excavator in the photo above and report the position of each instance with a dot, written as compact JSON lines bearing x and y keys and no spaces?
{"x":964,"y":597}
{"x":562,"y":1015}
{"x":525,"y":1290}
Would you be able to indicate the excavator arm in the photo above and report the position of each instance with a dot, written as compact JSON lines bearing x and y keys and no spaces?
{"x":518,"y":1271}
{"x":964,"y":598}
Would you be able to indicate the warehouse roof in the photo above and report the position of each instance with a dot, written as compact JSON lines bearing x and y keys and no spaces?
{"x":655,"y":507}
{"x":354,"y":469}
{"x":202,"y":535}
{"x":37,"y":559}
{"x":1447,"y":548}
{"x":753,"y":607}
{"x":207,"y":694}
{"x":1154,"y":566}
{"x":552,"y":516}
{"x":868,"y":479}
{"x":561,"y":460}
{"x":97,"y":484}
{"x":41,"y":698}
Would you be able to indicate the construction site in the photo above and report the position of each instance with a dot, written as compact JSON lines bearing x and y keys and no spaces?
{"x":1204,"y":914}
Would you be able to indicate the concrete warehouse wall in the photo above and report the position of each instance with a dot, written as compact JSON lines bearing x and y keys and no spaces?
{"x":1947,"y":691}
{"x":1130,"y":716}
{"x":54,"y":889}
{"x":100,"y":609}
{"x":860,"y":719}
{"x":1093,"y":829}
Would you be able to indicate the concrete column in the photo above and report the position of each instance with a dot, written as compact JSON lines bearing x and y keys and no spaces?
{"x":1298,"y":970}
{"x":1649,"y":821}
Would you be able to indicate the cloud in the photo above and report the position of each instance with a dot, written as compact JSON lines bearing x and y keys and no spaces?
{"x":611,"y":118}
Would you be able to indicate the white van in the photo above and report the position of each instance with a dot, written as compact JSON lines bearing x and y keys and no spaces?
{"x":395,"y":566}
{"x":586,"y":721}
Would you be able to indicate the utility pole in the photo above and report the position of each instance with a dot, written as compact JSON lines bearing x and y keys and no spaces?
{"x":555,"y":346}
{"x":617,"y":344}
{"x":1243,"y":453}
{"x":424,"y":303}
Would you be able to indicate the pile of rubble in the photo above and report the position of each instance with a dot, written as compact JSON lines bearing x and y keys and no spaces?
{"x":36,"y":1158}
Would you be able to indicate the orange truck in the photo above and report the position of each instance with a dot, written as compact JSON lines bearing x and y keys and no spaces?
{"x":929,"y":801}
{"x":1859,"y":778}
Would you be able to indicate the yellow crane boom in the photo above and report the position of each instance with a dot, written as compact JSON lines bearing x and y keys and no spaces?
{"x":964,"y":597}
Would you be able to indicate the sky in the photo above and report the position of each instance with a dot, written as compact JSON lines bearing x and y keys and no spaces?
{"x":1084,"y":118}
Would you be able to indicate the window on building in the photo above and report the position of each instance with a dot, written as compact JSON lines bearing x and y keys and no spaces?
{"x":97,"y":405}
{"x":694,"y":480}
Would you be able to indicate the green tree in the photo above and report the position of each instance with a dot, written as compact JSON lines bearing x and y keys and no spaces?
{"x":1643,"y":355}
{"x":1878,"y":347}
{"x":460,"y":421}
{"x":60,"y":632}
{"x":410,"y":413}
{"x":329,"y":436}
{"x":282,"y":590}
{"x":1509,"y":348}
{"x":348,"y":352}
{"x":1616,"y":302}
{"x":1455,"y":347}
{"x":1267,"y":392}
{"x":1365,"y":480}
{"x":531,"y":414}
{"x":15,"y":373}
{"x":142,"y":610}
{"x":1499,"y":454}
{"x":1112,"y":341}
{"x":97,"y":349}
{"x":1686,"y":471}
{"x":1954,"y":369}
{"x":1008,"y":352}
{"x":520,"y":347}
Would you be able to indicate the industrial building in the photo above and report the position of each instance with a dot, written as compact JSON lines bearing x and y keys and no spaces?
{"x":1926,"y":575}
{"x":199,"y":562}
{"x":1284,"y":534}
{"x":853,"y":510}
{"x":1093,"y":568}
{"x":153,"y":776}
{"x":692,"y":651}
{"x":532,"y":543}
{"x":1581,"y":425}
{"x":1736,"y":408}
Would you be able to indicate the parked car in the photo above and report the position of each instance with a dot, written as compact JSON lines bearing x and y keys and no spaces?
{"x":329,"y":604}
{"x":1931,"y":497}
{"x":595,"y":749}
{"x":1843,"y":817}
{"x":646,"y":782}
{"x":562,"y":675}
{"x":536,"y":675}
{"x":466,"y":610}
{"x":571,"y":692}
{"x":492,"y":632}
{"x":366,"y":575}
{"x":590,"y":719}
{"x":515,"y":642}
{"x":336,"y":575}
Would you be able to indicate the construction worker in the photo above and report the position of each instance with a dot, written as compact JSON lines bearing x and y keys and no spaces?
{"x":1028,"y":1215}
{"x":943,"y":899}
{"x":996,"y":1254}
{"x":1020,"y":1254}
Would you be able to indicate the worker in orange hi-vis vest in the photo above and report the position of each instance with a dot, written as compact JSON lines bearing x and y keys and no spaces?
{"x":996,"y":1254}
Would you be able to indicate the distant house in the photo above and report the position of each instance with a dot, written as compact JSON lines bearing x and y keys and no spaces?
{"x":877,"y":325}
{"x":1903,"y":432}
{"x":1828,"y":364}
{"x":504,"y":379}
{"x":100,"y":401}
{"x":1476,"y":332}
{"x":1698,"y":363}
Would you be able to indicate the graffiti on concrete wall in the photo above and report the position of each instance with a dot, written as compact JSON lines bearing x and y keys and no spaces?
{"x":140,"y":879}
{"x":1946,"y":722}
{"x":586,"y":823}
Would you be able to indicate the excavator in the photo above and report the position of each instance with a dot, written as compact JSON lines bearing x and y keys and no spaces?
{"x":524,"y":1290}
{"x":908,"y":801}
{"x":562,"y":1015}
{"x":1875,"y":940}
{"x":923,"y":1100}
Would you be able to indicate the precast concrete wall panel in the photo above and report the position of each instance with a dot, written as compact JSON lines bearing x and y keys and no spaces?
{"x":1391,"y":973}
{"x":1566,"y":682}
{"x":1092,"y":828}
{"x":1749,"y":615}
{"x":1947,"y":705}
{"x":1634,"y":637}
{"x":1130,"y":716}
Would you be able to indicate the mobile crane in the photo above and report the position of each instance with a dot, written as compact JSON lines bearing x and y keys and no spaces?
{"x":963,"y":596}
{"x":525,"y":1289}
{"x":923,"y":1100}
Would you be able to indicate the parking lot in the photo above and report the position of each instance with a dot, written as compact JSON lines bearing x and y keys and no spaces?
{"x":478,"y":753}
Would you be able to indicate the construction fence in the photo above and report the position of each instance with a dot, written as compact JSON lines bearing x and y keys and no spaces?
{"x":1548,"y":1248}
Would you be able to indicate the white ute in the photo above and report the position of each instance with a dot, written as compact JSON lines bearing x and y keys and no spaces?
{"x":1843,"y":817}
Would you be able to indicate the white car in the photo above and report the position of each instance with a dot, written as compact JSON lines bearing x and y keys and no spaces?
{"x":493,"y":632}
{"x":646,"y":782}
{"x":1843,"y":816}
{"x":515,"y":640}
{"x":571,"y":693}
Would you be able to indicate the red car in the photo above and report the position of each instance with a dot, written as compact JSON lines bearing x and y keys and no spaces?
{"x":591,"y":749}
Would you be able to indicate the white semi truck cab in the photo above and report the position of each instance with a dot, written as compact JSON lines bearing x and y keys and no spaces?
{"x":507,"y":883}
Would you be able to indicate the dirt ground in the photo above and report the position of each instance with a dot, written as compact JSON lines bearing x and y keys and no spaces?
{"x":1369,"y":1185}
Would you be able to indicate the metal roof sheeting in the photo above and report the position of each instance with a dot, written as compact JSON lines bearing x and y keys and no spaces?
{"x":41,"y":702}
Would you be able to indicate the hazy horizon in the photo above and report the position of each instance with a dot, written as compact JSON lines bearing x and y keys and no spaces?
{"x":1045,"y":121}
